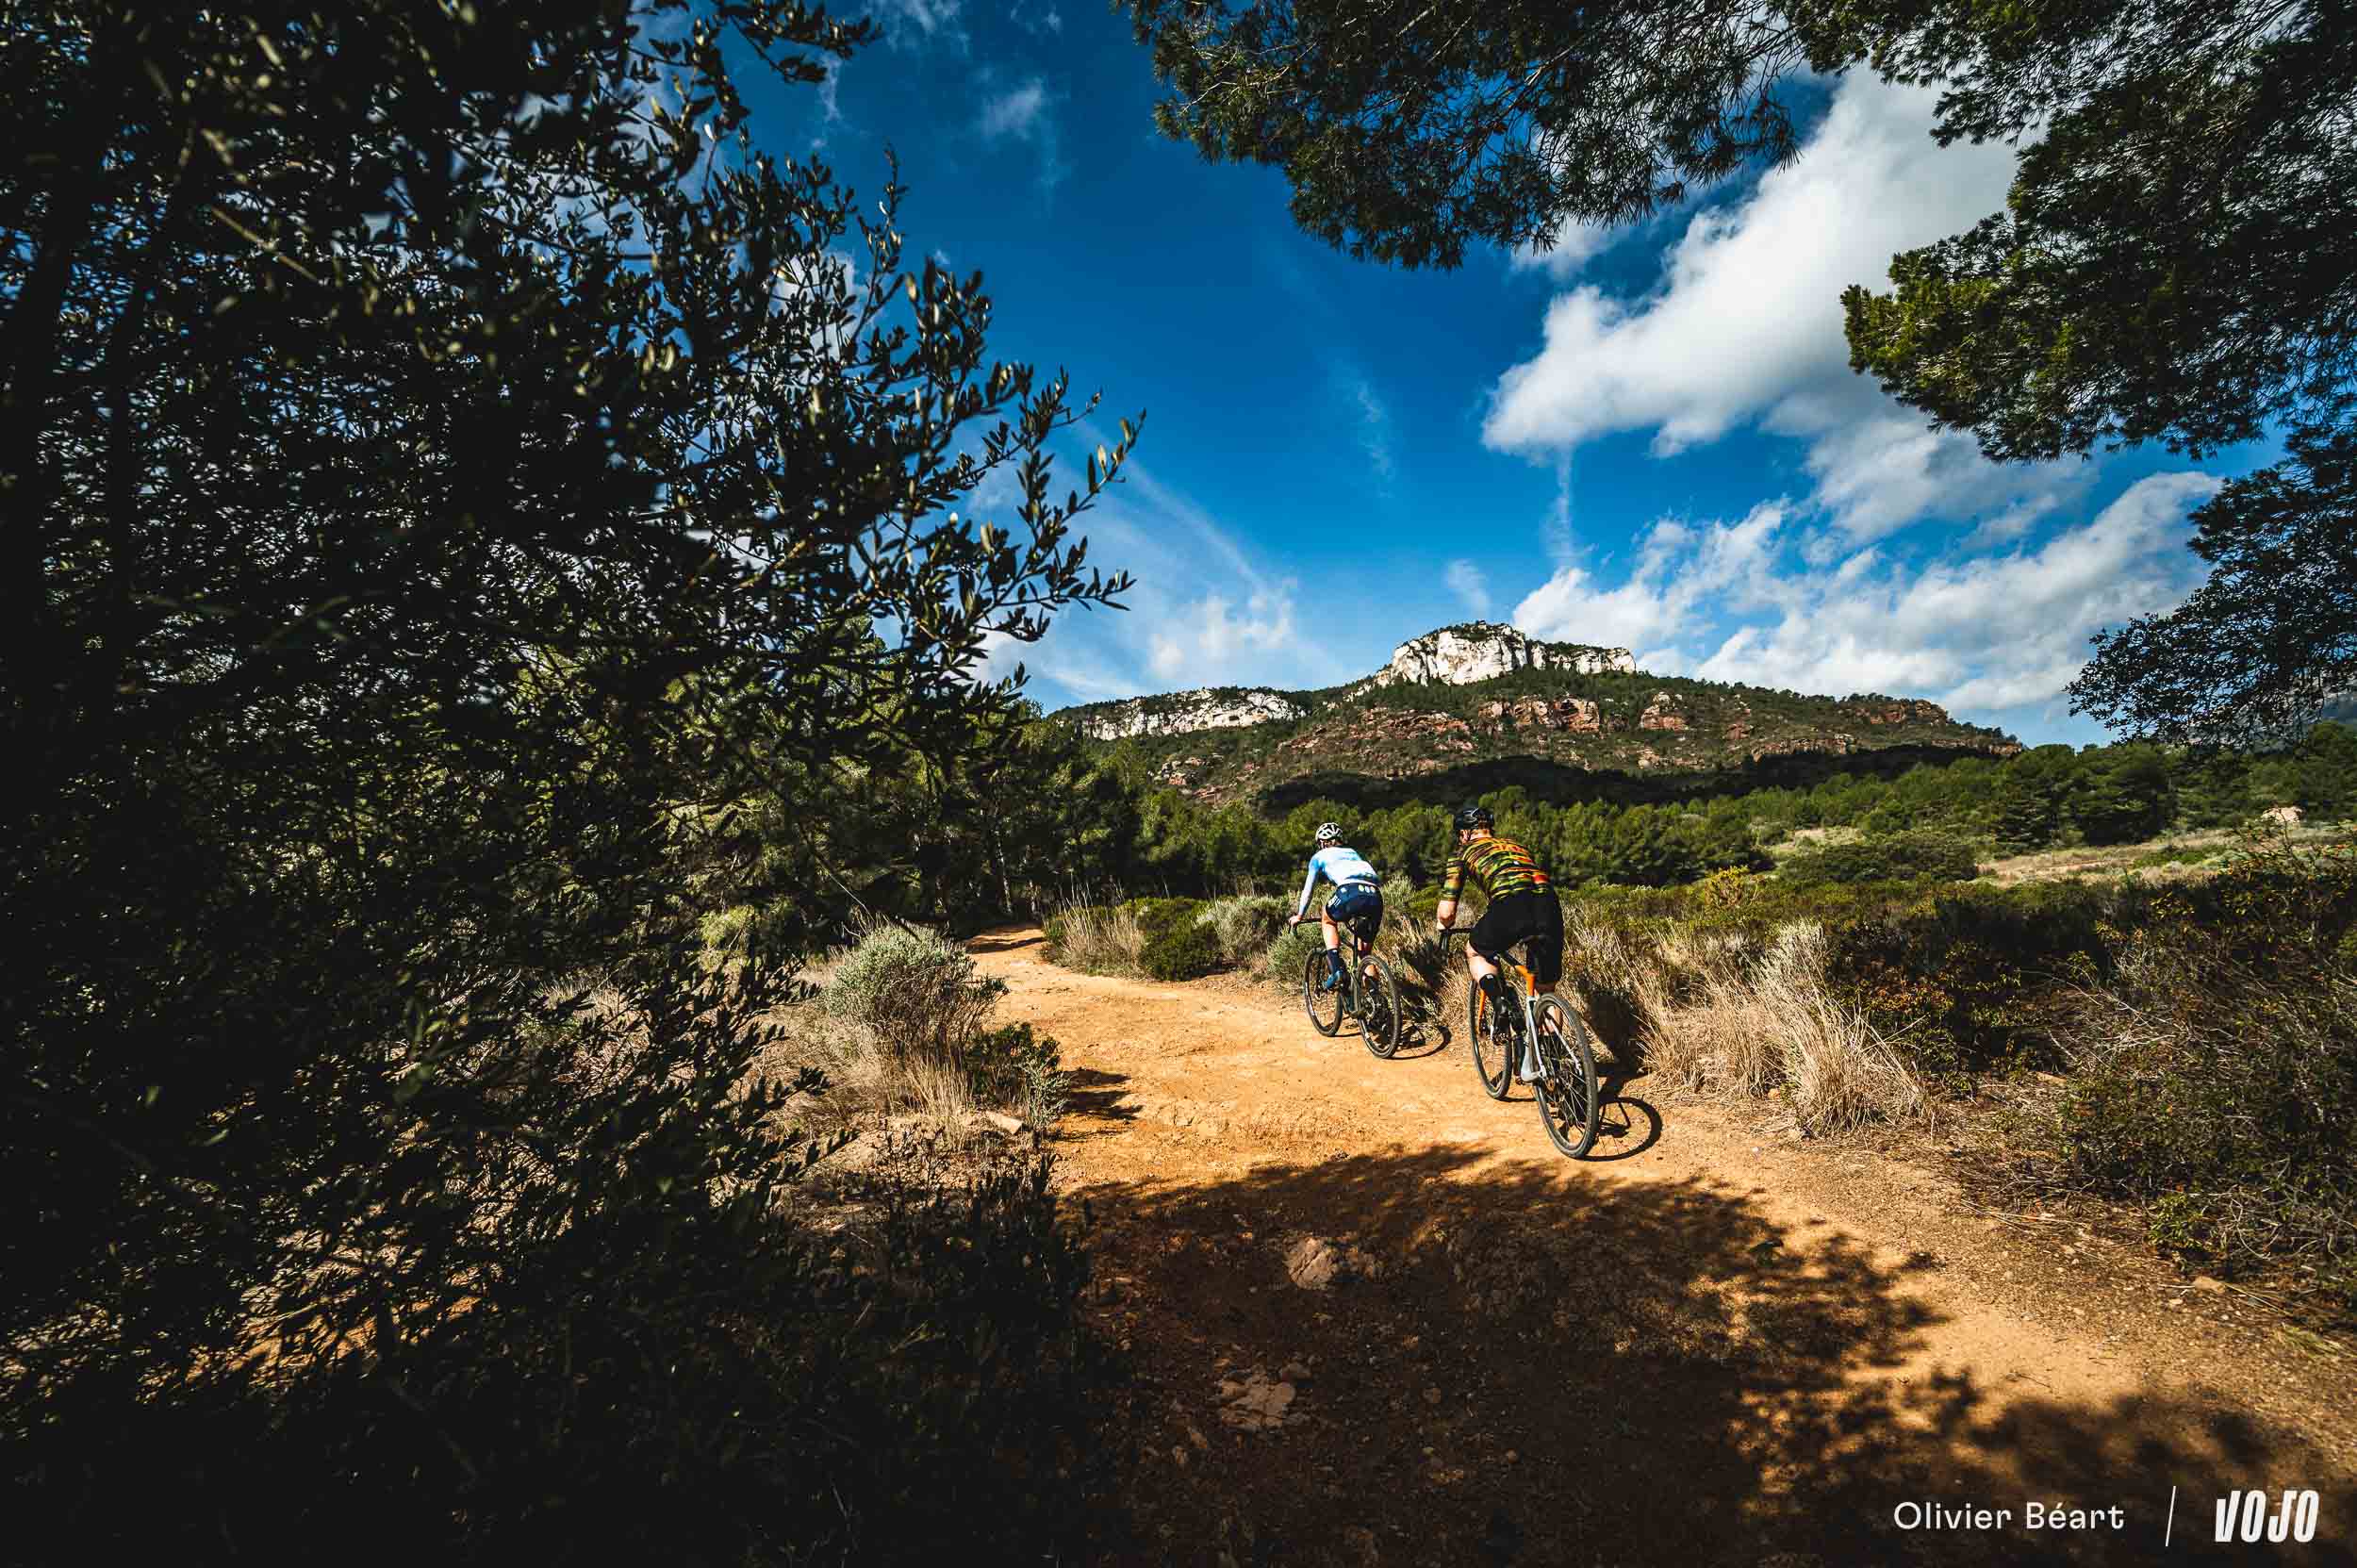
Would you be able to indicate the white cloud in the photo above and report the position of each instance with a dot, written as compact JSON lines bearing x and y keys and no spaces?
{"x":1575,"y":245}
{"x":1205,"y":611}
{"x":1015,"y":114}
{"x":1562,"y":548}
{"x":1465,"y":580}
{"x":830,"y":105}
{"x":922,"y":20}
{"x":1031,"y":19}
{"x":1983,"y":635}
{"x":1745,"y":327}
{"x":1375,"y":423}
{"x":1209,"y":639}
{"x":1023,"y":114}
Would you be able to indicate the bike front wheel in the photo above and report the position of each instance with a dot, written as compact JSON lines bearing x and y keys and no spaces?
{"x":1569,"y":1104}
{"x":1324,"y":1006}
{"x":1378,"y":1006}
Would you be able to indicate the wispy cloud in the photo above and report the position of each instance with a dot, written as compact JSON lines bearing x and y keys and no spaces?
{"x":1037,"y":19}
{"x":1025,"y":113}
{"x":1207,"y":609}
{"x":1575,"y":246}
{"x":907,"y":22}
{"x":1374,"y":423}
{"x":1746,"y":326}
{"x":830,"y":90}
{"x":1988,"y":635}
{"x":1015,"y":114}
{"x":1465,"y":580}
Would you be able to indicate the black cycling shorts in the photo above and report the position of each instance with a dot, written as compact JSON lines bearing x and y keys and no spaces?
{"x":1358,"y":906}
{"x":1535,"y":920}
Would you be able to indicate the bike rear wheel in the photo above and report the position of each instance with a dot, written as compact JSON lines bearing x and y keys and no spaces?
{"x":1324,"y":1007}
{"x":1495,"y":1034}
{"x":1569,"y":1102}
{"x":1378,"y":1006}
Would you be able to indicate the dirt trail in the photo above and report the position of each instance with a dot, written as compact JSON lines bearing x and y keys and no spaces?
{"x":1703,"y":1344}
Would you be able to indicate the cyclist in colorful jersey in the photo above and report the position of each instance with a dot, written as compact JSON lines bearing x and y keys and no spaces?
{"x":1358,"y":901}
{"x":1522,"y":908}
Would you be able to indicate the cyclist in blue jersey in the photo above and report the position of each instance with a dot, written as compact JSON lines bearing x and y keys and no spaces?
{"x":1358,"y":901}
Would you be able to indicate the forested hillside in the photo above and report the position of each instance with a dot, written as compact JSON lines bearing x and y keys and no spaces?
{"x":1383,"y":741}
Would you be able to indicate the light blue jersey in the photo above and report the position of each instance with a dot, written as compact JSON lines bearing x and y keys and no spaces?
{"x":1337,"y":866}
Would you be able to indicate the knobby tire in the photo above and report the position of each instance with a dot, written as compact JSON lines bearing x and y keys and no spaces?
{"x":1569,"y":1104}
{"x":1324,"y":1007}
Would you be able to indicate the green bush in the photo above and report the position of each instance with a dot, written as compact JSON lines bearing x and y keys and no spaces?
{"x":1014,"y":1066}
{"x":1976,"y":981}
{"x":1900,"y":857}
{"x":1281,"y":968}
{"x":1965,"y":981}
{"x":690,"y":1394}
{"x":1183,"y":951}
{"x":2171,"y":857}
{"x":1159,"y":917}
{"x":2221,"y":1095}
{"x":1245,"y":925}
{"x":915,"y":990}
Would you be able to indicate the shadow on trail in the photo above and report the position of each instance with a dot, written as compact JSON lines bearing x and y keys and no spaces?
{"x":1097,"y":1105}
{"x":1003,"y":941}
{"x":1625,"y":1128}
{"x":1530,"y":1368}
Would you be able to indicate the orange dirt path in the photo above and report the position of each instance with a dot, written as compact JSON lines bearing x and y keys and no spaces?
{"x":1705,"y":1344}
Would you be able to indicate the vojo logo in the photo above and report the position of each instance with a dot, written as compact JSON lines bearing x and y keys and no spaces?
{"x":2246,"y":1516}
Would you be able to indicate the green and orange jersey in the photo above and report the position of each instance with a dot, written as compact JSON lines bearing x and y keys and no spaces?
{"x":1499,"y":866}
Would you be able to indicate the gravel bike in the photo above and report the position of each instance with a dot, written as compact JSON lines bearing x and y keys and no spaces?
{"x":1568,"y":1094}
{"x":1367,"y":992}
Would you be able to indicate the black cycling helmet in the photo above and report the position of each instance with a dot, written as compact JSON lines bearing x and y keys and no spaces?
{"x":1475,"y":816}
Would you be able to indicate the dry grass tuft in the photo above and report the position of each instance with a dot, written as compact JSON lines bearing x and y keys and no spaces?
{"x":1842,"y":1073}
{"x":1097,"y":939}
{"x":1715,"y":1014}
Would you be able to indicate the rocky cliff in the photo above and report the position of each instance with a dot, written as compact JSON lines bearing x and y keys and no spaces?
{"x":1483,"y":705}
{"x":1185,"y":712}
{"x":1483,"y":650}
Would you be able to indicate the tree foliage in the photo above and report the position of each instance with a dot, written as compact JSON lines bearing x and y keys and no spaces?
{"x":2175,"y":258}
{"x":1409,"y":130}
{"x":2270,"y":640}
{"x":447,"y":466}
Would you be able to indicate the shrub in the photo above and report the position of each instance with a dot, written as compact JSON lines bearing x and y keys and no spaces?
{"x":2153,"y":858}
{"x":1159,"y":917}
{"x":1840,"y":1070}
{"x":1096,"y":939}
{"x":1186,"y":949}
{"x":1900,"y":857}
{"x":1282,"y":966}
{"x":1021,"y":1070}
{"x":914,"y":992}
{"x":1975,"y":981}
{"x":1619,"y":977}
{"x":2215,"y":1076}
{"x":1245,"y":925}
{"x":2222,"y":1096}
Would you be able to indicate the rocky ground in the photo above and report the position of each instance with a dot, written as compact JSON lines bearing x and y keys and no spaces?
{"x":1368,"y":1316}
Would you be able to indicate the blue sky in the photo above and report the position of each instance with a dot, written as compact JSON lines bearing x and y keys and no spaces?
{"x":1648,"y":438}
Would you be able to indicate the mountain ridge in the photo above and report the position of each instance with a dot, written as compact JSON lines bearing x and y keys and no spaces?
{"x":1478,"y":699}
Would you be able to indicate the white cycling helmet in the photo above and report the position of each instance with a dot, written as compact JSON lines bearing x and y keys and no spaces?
{"x":1329,"y":832}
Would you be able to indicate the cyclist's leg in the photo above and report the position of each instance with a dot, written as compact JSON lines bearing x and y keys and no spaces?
{"x":1486,"y":943}
{"x":1543,"y":947}
{"x":1333,"y":935}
